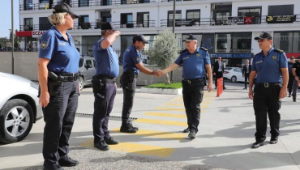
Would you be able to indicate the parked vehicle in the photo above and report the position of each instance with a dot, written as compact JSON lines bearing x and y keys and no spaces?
{"x":19,"y":107}
{"x":234,"y":74}
{"x":86,"y":71}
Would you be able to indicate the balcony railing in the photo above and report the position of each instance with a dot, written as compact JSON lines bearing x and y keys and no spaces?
{"x":135,"y":24}
{"x":26,"y":28}
{"x":37,"y":6}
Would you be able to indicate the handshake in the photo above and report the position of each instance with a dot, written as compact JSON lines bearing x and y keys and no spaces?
{"x":158,"y":73}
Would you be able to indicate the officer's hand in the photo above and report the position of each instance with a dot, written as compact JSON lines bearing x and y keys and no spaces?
{"x":117,"y":33}
{"x":44,"y":99}
{"x":283,"y":93}
{"x":250,"y":94}
{"x":159,"y":73}
{"x":209,"y":87}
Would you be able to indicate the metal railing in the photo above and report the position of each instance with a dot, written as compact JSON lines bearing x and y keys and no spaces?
{"x":134,"y":24}
{"x":37,"y":6}
{"x":26,"y":28}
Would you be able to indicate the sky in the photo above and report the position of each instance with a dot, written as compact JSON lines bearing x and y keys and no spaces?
{"x":5,"y":12}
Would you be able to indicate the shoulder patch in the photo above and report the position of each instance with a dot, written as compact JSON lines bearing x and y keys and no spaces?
{"x":278,"y":50}
{"x":204,"y":49}
{"x":44,"y":45}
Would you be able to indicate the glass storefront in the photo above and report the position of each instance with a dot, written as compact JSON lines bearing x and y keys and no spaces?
{"x":233,"y":42}
{"x":287,"y":41}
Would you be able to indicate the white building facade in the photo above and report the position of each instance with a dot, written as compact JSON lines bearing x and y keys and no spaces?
{"x":225,"y":28}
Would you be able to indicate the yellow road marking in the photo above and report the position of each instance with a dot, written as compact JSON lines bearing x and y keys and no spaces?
{"x":170,"y":108}
{"x":156,"y":134}
{"x":135,"y":148}
{"x":161,"y":122}
{"x":166,"y":114}
{"x":174,"y":104}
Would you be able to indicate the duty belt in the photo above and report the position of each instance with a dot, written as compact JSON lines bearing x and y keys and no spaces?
{"x":131,"y":72}
{"x":190,"y":81}
{"x":64,"y":77}
{"x":266,"y":85}
{"x":106,"y":79}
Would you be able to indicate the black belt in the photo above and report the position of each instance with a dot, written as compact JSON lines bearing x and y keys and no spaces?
{"x":106,"y":79}
{"x":135,"y":75}
{"x":267,"y":85}
{"x":190,"y":81}
{"x":67,"y":77}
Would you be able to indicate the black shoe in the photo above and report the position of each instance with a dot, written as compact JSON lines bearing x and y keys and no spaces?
{"x":294,"y":100}
{"x":274,"y":140}
{"x":51,"y":166}
{"x":244,"y":88}
{"x":67,"y":161}
{"x":111,"y":141}
{"x":257,"y":144}
{"x":101,"y":146}
{"x":128,"y":128}
{"x":187,"y":130}
{"x":192,"y":134}
{"x":289,"y":95}
{"x":224,"y":88}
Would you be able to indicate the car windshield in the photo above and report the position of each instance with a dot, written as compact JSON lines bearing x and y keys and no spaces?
{"x":227,"y":68}
{"x":81,"y":62}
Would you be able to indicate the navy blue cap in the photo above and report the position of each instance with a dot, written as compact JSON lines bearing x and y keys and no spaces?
{"x":63,"y":8}
{"x":191,"y":37}
{"x":108,"y":26}
{"x":139,"y":37}
{"x":264,"y":35}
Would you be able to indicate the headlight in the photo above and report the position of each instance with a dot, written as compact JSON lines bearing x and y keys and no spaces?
{"x":34,"y":85}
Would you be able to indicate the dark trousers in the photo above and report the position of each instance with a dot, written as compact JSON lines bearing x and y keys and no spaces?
{"x":192,"y":97}
{"x":59,"y":117}
{"x":128,"y":86}
{"x":266,"y":101}
{"x":219,"y":75}
{"x":290,"y":84}
{"x":246,"y":79}
{"x":103,"y":105}
{"x":295,"y":89}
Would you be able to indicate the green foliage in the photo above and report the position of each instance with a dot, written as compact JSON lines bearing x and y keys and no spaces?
{"x":165,"y":50}
{"x":175,"y":85}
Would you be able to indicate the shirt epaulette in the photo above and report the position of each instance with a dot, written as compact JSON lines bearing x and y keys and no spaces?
{"x":204,"y":49}
{"x":278,"y":50}
{"x":182,"y":51}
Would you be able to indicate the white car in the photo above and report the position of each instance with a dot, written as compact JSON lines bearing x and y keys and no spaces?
{"x":234,"y":74}
{"x":19,"y":107}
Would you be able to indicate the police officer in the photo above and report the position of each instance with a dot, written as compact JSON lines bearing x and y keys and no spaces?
{"x":132,"y":65}
{"x":296,"y":74}
{"x":271,"y":72}
{"x":291,"y":76}
{"x":59,"y":89}
{"x":194,"y":60}
{"x":104,"y":85}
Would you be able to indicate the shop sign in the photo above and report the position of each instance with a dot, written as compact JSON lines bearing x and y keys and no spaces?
{"x":231,"y":55}
{"x":236,"y":20}
{"x":37,"y":34}
{"x":280,"y":18}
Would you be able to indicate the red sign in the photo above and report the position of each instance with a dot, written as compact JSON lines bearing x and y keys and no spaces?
{"x":37,"y":33}
{"x":248,"y":20}
{"x":24,"y":33}
{"x":289,"y":55}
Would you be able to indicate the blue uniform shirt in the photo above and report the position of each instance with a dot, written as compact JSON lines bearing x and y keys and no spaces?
{"x":193,"y":64}
{"x":268,"y":67}
{"x":107,"y":60}
{"x":63,"y":56}
{"x":131,"y":57}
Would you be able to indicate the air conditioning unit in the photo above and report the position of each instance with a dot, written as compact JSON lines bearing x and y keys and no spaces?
{"x":213,"y":7}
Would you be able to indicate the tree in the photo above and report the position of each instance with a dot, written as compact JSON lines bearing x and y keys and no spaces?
{"x":164,"y":51}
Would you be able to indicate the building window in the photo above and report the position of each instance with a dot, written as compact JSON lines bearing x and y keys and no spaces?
{"x":127,"y":20}
{"x":287,"y":41}
{"x":253,"y":13}
{"x":142,"y":19}
{"x":222,"y":18}
{"x":233,"y":43}
{"x":45,"y":4}
{"x":194,"y":16}
{"x":84,"y":22}
{"x":170,"y":17}
{"x":28,"y":24}
{"x":44,"y":23}
{"x":105,"y":16}
{"x":83,"y":3}
{"x":87,"y":45}
{"x":28,"y":5}
{"x":281,"y":10}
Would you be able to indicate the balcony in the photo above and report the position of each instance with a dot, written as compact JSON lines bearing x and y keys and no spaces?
{"x":37,"y":6}
{"x":26,"y":28}
{"x":135,"y":24}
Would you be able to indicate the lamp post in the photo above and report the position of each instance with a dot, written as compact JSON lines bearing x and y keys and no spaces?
{"x":173,"y":30}
{"x":12,"y":37}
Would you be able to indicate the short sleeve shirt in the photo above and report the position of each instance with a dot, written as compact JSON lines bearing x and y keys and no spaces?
{"x":268,"y":67}
{"x":131,"y":57}
{"x":193,"y":64}
{"x":63,"y":55}
{"x":106,"y":60}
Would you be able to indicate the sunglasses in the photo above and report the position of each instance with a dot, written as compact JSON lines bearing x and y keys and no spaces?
{"x":262,"y":40}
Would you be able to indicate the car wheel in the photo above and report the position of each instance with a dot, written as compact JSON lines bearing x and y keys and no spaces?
{"x":16,"y":119}
{"x":233,"y":79}
{"x":80,"y":83}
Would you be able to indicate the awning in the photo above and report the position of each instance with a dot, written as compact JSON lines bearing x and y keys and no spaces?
{"x":24,"y":33}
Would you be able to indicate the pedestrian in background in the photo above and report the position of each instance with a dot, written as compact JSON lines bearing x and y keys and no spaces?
{"x":132,"y":66}
{"x":104,"y":85}
{"x":271,"y":72}
{"x":296,"y":83}
{"x":246,"y":72}
{"x":291,"y":76}
{"x":218,"y":71}
{"x":59,"y":89}
{"x":194,"y":60}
